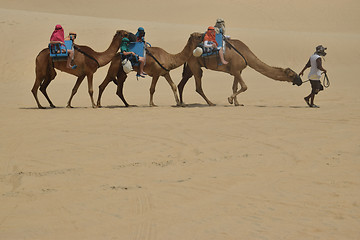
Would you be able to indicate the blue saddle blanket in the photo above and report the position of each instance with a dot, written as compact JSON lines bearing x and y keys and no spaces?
{"x":58,"y":50}
{"x":139,"y":49}
{"x":219,"y":40}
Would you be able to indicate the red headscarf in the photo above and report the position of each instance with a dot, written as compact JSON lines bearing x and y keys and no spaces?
{"x":58,"y":34}
{"x":210,"y":35}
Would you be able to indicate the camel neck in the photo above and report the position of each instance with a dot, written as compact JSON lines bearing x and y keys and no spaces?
{"x":106,"y":56}
{"x":181,"y":57}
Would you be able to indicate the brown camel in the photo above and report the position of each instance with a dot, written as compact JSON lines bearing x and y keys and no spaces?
{"x":237,"y":62}
{"x":152,"y":68}
{"x":87,"y":61}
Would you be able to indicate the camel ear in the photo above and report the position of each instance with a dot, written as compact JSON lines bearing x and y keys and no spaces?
{"x":289,"y":72}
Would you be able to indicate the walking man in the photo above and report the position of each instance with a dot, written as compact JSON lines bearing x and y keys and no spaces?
{"x":315,"y":64}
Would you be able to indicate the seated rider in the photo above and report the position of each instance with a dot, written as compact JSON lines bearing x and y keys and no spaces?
{"x":71,"y":36}
{"x":57,"y":37}
{"x":140,"y":35}
{"x":220,"y":26}
{"x":124,"y":48}
{"x":210,"y":43}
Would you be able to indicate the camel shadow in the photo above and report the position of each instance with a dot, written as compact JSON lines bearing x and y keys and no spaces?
{"x":193,"y":105}
{"x":279,"y":106}
{"x":50,"y":108}
{"x":116,"y":106}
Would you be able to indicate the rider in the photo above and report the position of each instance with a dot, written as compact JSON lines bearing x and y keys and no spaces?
{"x":220,"y":26}
{"x":210,"y":43}
{"x":124,"y":48}
{"x":140,"y":35}
{"x":58,"y":37}
{"x":315,"y":63}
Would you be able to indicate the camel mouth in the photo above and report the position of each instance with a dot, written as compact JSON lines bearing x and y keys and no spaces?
{"x":297,"y":80}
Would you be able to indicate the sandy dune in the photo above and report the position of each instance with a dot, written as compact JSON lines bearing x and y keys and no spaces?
{"x":273,"y":169}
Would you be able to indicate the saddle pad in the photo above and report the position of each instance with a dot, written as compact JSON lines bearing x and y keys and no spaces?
{"x":55,"y":47}
{"x":219,"y":40}
{"x":138,"y":48}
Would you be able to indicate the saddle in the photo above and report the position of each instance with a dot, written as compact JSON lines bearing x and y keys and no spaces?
{"x":139,"y":49}
{"x":221,"y":44}
{"x":59,"y":51}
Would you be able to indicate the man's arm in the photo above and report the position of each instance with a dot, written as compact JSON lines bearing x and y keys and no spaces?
{"x":319,"y":65}
{"x":306,"y":67}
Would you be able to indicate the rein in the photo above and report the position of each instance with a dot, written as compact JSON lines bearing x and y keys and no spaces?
{"x":89,"y":56}
{"x":326,"y":81}
{"x":151,"y":55}
{"x":232,"y":46}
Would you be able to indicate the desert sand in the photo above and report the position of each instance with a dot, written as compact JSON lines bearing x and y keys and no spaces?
{"x":271,"y":169}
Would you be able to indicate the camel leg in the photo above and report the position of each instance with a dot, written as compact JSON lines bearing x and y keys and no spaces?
{"x":35,"y":89}
{"x":43,"y":88}
{"x":173,"y":87}
{"x":243,"y":88}
{"x":152,"y":90}
{"x":186,"y":75}
{"x":74,"y":90}
{"x":235,"y":88}
{"x":199,"y":89}
{"x":102,"y":87}
{"x":91,"y":89}
{"x":120,"y":87}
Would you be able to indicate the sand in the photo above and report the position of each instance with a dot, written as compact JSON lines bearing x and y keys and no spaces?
{"x":272,"y":169}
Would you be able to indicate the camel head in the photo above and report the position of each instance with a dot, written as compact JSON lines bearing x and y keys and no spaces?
{"x":120,"y":34}
{"x":294,"y":76}
{"x":195,"y":39}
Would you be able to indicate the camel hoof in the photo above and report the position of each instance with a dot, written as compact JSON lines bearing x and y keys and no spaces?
{"x":41,"y":107}
{"x":69,"y":106}
{"x":230,"y":100}
{"x":52,"y":106}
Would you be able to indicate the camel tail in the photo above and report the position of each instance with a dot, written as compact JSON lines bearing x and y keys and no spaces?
{"x":43,"y":66}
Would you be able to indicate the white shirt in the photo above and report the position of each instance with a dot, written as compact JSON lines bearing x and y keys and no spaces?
{"x":315,"y":73}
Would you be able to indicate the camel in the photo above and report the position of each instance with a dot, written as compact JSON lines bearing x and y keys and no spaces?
{"x":87,"y":61}
{"x":238,"y":61}
{"x":152,"y":68}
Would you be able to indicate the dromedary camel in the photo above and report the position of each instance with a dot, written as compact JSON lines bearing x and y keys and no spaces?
{"x":237,"y":62}
{"x":87,"y":61}
{"x":152,"y":68}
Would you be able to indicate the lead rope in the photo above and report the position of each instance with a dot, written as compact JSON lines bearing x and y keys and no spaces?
{"x":91,"y":57}
{"x":326,"y":81}
{"x":151,"y":55}
{"x":231,"y":46}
